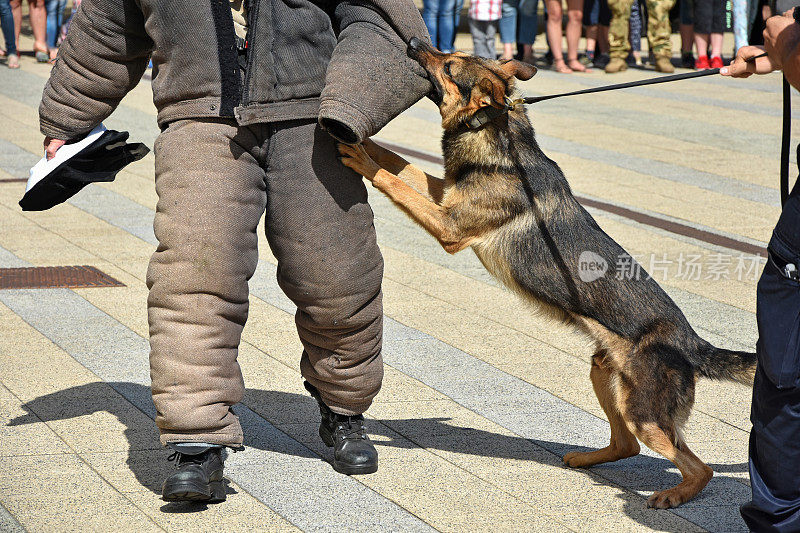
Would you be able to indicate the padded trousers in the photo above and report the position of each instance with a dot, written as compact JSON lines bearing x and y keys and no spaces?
{"x":214,"y":181}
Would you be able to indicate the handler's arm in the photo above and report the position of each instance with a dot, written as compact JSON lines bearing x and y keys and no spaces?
{"x":782,"y":44}
{"x":103,"y":57}
{"x":370,"y":78}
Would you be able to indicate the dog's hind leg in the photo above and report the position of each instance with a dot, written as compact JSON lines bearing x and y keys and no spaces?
{"x":696,"y":474}
{"x":623,"y":442}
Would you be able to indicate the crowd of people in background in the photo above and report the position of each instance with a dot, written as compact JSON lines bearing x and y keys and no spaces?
{"x":613,"y":30}
{"x":47,"y":22}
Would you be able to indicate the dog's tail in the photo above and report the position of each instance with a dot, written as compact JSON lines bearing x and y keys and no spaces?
{"x":722,"y":364}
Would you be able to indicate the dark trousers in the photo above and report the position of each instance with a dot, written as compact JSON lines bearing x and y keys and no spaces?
{"x":775,"y":438}
{"x":709,"y":16}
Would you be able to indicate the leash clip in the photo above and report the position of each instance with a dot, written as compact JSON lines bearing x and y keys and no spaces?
{"x":511,"y":104}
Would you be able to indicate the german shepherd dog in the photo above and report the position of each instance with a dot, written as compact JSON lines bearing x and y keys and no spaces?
{"x":503,"y":197}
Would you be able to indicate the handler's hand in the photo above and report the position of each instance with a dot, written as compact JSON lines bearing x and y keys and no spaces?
{"x":51,"y":146}
{"x":741,"y":68}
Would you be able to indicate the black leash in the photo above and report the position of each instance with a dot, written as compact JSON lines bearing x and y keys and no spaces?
{"x":786,"y":137}
{"x":651,"y":81}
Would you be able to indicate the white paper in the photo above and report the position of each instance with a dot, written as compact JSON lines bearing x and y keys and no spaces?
{"x":45,"y":167}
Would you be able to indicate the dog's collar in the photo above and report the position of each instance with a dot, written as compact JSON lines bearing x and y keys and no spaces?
{"x":487,"y":114}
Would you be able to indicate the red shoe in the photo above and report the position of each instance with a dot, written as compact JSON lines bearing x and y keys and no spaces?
{"x":701,"y":63}
{"x":716,"y":62}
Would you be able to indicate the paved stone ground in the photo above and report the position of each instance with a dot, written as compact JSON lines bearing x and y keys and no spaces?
{"x":481,"y":397}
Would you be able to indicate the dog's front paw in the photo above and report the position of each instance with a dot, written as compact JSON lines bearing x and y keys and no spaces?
{"x":357,"y":158}
{"x":666,"y":499}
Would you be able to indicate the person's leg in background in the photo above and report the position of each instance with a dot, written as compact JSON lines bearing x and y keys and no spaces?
{"x":7,"y":26}
{"x":65,"y":27}
{"x":508,"y":27}
{"x":456,"y":21}
{"x":38,"y":16}
{"x":687,"y":33}
{"x":702,"y":30}
{"x":717,"y":27}
{"x":659,"y":30}
{"x":604,"y":20}
{"x":527,"y":28}
{"x":16,"y":12}
{"x":573,"y":33}
{"x":740,"y":25}
{"x":635,"y":24}
{"x":555,"y":36}
{"x":619,"y":46}
{"x":591,"y":14}
{"x":55,"y":19}
{"x":430,"y":15}
{"x":483,"y":36}
{"x":445,"y":25}
{"x":320,"y":228}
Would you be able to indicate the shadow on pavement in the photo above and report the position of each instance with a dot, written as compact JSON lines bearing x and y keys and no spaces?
{"x":147,"y":460}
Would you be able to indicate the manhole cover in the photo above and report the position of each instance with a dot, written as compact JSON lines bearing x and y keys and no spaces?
{"x":70,"y":277}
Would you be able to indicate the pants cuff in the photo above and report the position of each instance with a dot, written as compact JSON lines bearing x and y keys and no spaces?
{"x":346,"y":410}
{"x":232,"y":439}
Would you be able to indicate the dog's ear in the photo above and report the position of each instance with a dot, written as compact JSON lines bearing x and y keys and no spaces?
{"x":518,"y":69}
{"x":492,"y":93}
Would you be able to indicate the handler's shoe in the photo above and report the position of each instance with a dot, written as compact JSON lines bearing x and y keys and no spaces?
{"x":199,"y":478}
{"x":353,"y":452}
{"x":617,"y":64}
{"x":663,"y":64}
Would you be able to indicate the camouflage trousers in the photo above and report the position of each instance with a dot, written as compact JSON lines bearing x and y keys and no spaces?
{"x":658,"y":28}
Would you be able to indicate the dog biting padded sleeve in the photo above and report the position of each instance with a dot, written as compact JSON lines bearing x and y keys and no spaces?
{"x":370,"y":79}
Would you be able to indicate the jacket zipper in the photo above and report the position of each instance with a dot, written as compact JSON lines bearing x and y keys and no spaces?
{"x":252,"y":17}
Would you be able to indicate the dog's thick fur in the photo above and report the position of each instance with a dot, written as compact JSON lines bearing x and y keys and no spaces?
{"x":505,"y":198}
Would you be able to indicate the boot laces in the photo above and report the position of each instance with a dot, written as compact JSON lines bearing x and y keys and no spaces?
{"x":182,"y":458}
{"x":352,"y":427}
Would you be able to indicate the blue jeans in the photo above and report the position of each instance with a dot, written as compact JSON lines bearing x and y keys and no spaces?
{"x":441,"y":18}
{"x":7,"y":25}
{"x":519,"y":21}
{"x":55,"y":19}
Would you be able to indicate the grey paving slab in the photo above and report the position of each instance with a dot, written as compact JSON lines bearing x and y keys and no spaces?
{"x":9,"y":524}
{"x":559,"y":429}
{"x":27,"y":88}
{"x":118,"y":211}
{"x":9,"y":260}
{"x":281,"y":472}
{"x":15,"y":160}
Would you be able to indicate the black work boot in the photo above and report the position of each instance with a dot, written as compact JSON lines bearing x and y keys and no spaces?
{"x":199,"y":477}
{"x":353,"y":452}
